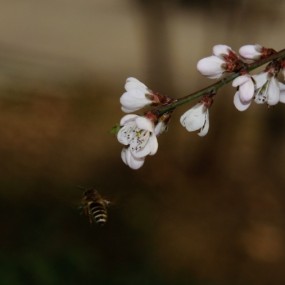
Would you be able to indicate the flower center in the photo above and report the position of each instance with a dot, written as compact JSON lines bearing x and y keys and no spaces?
{"x":139,"y":140}
{"x":261,"y":94}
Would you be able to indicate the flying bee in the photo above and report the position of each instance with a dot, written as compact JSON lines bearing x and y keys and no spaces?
{"x":95,"y":207}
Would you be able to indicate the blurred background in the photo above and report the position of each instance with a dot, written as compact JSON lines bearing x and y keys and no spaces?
{"x":201,"y":211}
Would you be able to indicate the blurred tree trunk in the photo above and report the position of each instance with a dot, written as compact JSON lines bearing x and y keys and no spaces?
{"x":157,"y":39}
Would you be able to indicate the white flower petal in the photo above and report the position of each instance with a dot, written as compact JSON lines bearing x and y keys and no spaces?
{"x":246,"y":91}
{"x":135,"y":96}
{"x":281,"y":86}
{"x":153,"y":145}
{"x":211,"y":67}
{"x":220,"y":50}
{"x":132,"y":83}
{"x":260,"y":79}
{"x":204,"y":130}
{"x":128,"y":118}
{"x":273,"y":92}
{"x":282,"y":97}
{"x":246,"y":87}
{"x":194,"y":118}
{"x":241,"y":106}
{"x":251,"y":51}
{"x":133,"y":100}
{"x":124,"y":154}
{"x":144,"y":124}
{"x":126,"y":133}
{"x":127,"y":130}
{"x":128,"y":159}
{"x":282,"y":92}
{"x":126,"y":110}
{"x":240,"y":80}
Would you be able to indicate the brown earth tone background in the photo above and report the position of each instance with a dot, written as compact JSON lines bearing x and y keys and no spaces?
{"x":202,"y":211}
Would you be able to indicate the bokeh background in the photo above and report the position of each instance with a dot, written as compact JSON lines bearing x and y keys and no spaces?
{"x":201,"y":211}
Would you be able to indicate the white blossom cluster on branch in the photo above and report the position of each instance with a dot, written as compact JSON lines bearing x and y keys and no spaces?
{"x":138,"y":133}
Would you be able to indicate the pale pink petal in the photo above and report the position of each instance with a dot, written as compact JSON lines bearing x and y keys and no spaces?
{"x":281,"y":86}
{"x":241,"y":106}
{"x":194,"y":118}
{"x":128,"y":118}
{"x":128,"y":159}
{"x":153,"y":145}
{"x":240,"y":80}
{"x":133,"y":100}
{"x":211,"y":67}
{"x":282,"y":92}
{"x":126,"y":110}
{"x":125,"y":134}
{"x":260,"y":79}
{"x":220,"y":50}
{"x":246,"y":91}
{"x":204,"y":130}
{"x":144,"y":124}
{"x":246,"y":87}
{"x":282,"y":97}
{"x":251,"y":51}
{"x":132,"y":83}
{"x":273,"y":92}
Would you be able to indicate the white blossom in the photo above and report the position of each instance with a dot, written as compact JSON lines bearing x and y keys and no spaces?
{"x":196,"y":118}
{"x":137,"y":133}
{"x":253,"y":52}
{"x":137,"y":96}
{"x":245,"y":92}
{"x":282,"y":92}
{"x":214,"y":66}
{"x":267,"y":89}
{"x":211,"y":67}
{"x":130,"y":160}
{"x":221,"y":50}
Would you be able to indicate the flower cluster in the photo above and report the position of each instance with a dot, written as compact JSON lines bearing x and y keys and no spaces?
{"x":223,"y":60}
{"x":138,"y":134}
{"x":261,"y":88}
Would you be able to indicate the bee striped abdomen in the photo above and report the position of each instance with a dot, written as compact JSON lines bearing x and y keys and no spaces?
{"x":98,"y":212}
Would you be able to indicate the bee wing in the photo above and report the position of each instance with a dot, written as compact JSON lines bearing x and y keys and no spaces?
{"x":107,"y":202}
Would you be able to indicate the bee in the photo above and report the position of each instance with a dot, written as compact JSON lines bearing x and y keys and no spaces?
{"x":95,"y":207}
